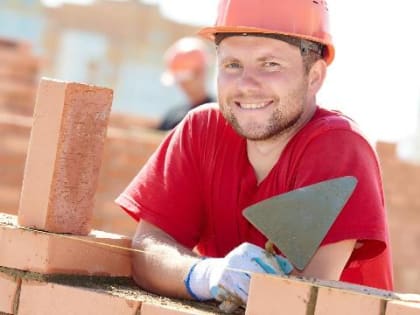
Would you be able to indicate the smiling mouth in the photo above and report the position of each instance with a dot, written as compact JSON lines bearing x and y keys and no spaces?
{"x":249,"y":106}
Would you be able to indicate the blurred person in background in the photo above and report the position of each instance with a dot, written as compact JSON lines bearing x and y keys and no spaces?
{"x":186,"y":63}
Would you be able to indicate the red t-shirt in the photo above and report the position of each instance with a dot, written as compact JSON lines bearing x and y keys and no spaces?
{"x":196,"y":185}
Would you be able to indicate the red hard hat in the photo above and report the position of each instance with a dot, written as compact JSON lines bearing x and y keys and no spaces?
{"x":307,"y":19}
{"x":183,"y":58}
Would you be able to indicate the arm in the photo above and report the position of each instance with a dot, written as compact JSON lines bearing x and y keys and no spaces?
{"x":163,"y":268}
{"x":165,"y":263}
{"x":329,"y":261}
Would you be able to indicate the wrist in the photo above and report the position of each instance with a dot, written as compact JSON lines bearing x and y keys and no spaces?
{"x":198,"y":277}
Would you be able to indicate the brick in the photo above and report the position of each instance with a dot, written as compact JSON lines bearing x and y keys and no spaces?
{"x":50,"y":253}
{"x":402,"y":308}
{"x":64,"y":157}
{"x":9,"y":197}
{"x":272,"y":295}
{"x":17,"y":72}
{"x":331,"y":301}
{"x":8,"y":86}
{"x":22,"y":59}
{"x":8,"y":289}
{"x":37,"y":298}
{"x":155,"y":309}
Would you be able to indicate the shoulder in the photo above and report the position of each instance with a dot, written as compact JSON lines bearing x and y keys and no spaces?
{"x":330,"y":141}
{"x":205,"y":127}
{"x":330,"y":123}
{"x":331,"y":119}
{"x":206,"y":116}
{"x":206,"y":109}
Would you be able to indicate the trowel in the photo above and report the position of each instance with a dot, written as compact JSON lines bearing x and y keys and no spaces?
{"x":297,"y":221}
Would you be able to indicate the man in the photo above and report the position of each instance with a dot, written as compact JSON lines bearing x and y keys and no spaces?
{"x":267,"y":137}
{"x":186,"y":63}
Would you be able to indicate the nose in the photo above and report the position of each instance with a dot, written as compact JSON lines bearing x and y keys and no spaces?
{"x":248,"y":81}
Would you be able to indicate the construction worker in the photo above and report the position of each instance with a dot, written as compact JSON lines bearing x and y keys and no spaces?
{"x":186,"y":63}
{"x":267,"y":136}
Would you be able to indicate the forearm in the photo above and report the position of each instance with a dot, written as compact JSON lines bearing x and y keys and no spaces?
{"x":329,"y":261}
{"x":161,"y":264}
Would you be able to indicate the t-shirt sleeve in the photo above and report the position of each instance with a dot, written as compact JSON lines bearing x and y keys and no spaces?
{"x":166,"y":192}
{"x":343,"y":152}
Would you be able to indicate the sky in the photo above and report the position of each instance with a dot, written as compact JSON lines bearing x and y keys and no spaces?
{"x":375,"y":76}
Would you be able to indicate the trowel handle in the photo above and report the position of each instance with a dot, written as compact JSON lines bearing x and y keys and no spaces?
{"x":269,"y":247}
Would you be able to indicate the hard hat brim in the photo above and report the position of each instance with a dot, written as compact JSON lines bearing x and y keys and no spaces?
{"x":209,"y":33}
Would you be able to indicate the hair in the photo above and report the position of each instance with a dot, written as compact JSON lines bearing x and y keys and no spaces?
{"x":311,"y":51}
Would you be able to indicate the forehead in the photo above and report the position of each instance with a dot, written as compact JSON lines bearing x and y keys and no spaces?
{"x":256,"y":46}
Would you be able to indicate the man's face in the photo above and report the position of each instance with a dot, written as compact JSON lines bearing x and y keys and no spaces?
{"x":262,"y":85}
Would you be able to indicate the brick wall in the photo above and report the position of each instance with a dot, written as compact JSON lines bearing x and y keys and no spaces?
{"x":49,"y":273}
{"x":53,"y":273}
{"x":19,"y":71}
{"x":401,"y":184}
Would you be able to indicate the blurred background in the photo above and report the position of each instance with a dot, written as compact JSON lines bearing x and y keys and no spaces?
{"x":120,"y":44}
{"x":117,"y":44}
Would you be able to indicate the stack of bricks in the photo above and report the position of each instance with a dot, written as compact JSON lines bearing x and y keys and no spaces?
{"x":59,"y":185}
{"x":60,"y":181}
{"x":19,"y":74}
{"x":52,"y":262}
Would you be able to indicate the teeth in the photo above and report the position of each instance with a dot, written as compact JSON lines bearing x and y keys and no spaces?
{"x":253,"y":105}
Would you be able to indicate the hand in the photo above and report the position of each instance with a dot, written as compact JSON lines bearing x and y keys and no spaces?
{"x":227,"y":279}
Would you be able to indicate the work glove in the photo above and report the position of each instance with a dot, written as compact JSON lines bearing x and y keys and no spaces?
{"x":227,"y":279}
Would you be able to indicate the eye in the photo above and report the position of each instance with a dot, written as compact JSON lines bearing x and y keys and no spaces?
{"x":270,"y":64}
{"x":232,"y":65}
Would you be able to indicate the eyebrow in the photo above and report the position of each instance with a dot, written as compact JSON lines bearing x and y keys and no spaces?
{"x":228,"y":58}
{"x":263,"y":58}
{"x":270,"y":57}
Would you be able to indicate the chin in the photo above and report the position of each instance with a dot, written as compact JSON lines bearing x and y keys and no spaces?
{"x":253,"y":133}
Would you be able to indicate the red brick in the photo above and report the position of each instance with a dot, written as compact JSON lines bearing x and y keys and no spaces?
{"x":154,"y":309}
{"x":8,"y":289}
{"x":23,"y":59}
{"x":402,"y":308}
{"x":17,"y":72}
{"x":17,"y":87}
{"x":403,"y":304}
{"x":64,"y":157}
{"x":50,"y":253}
{"x":273,"y":295}
{"x":38,"y":298}
{"x":9,"y":197}
{"x":331,"y":301}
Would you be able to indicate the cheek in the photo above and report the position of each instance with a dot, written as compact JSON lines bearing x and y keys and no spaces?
{"x":222,"y":85}
{"x":222,"y":79}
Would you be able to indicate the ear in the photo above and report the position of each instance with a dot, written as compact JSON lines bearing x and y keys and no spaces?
{"x":316,"y":76}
